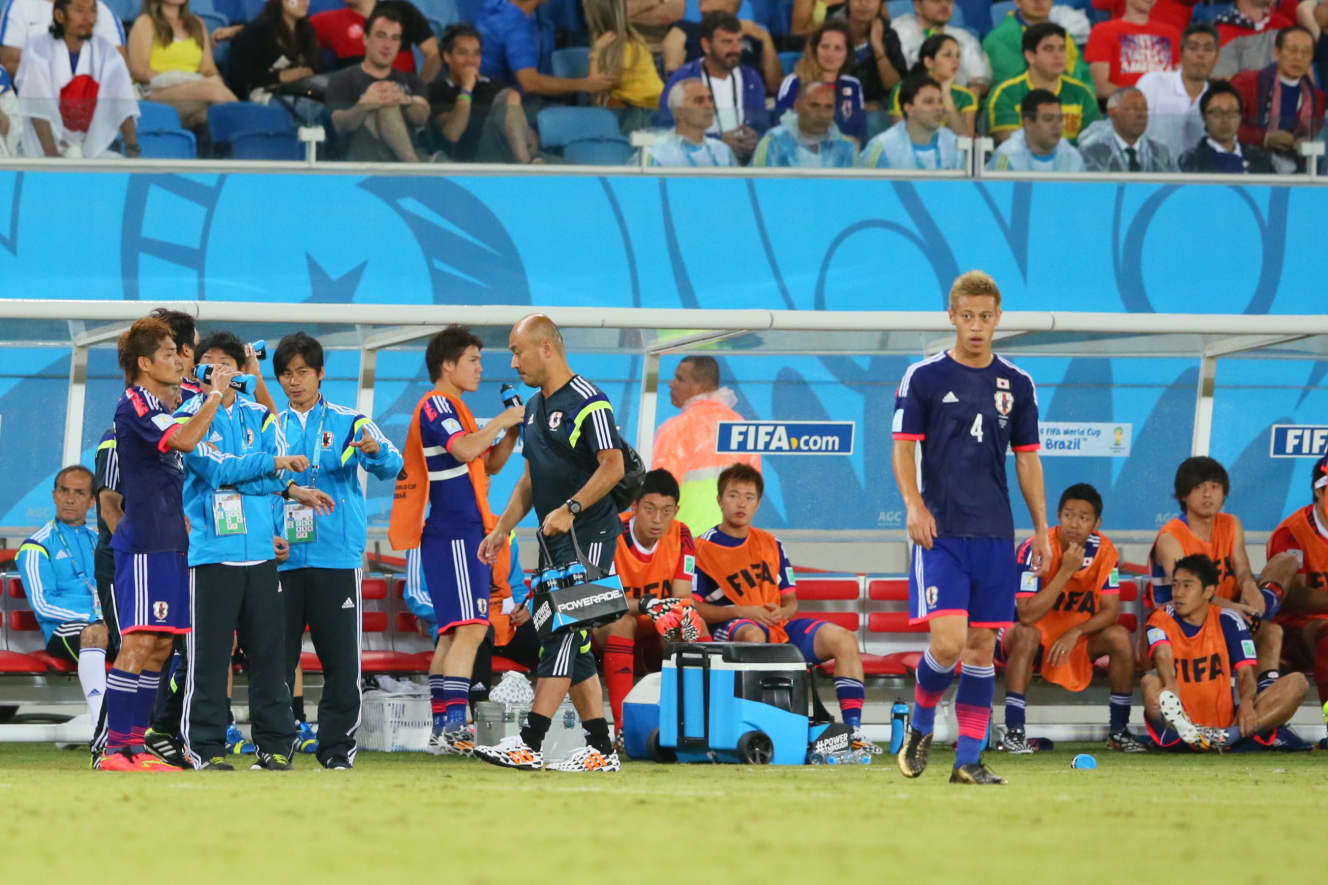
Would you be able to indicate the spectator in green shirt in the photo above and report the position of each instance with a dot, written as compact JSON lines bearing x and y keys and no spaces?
{"x":1044,"y":51}
{"x":1004,"y":43}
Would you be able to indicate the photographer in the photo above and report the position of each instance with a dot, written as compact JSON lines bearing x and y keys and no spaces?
{"x":573,"y":461}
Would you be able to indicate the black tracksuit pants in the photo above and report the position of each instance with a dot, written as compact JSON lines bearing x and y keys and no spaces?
{"x":231,"y":599}
{"x":328,"y":600}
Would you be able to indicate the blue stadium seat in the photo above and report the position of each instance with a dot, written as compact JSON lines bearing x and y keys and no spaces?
{"x":1000,"y":10}
{"x":560,"y":126}
{"x":317,"y":6}
{"x":470,"y":10}
{"x":899,"y":7}
{"x":1206,"y":14}
{"x":787,"y":60}
{"x":212,"y":19}
{"x":781,"y":17}
{"x":168,"y":144}
{"x":156,"y":117}
{"x":233,"y":10}
{"x":600,"y":150}
{"x":746,"y":11}
{"x":266,"y":146}
{"x":231,"y":122}
{"x":440,"y":13}
{"x":125,"y":10}
{"x":571,"y":62}
{"x":249,"y":10}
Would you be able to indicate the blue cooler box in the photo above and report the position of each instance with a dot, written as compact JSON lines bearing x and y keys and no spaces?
{"x":641,"y":716}
{"x":734,"y":702}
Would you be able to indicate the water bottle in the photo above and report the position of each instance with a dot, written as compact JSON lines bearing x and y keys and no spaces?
{"x":849,"y":757}
{"x":509,"y":396}
{"x":242,"y":383}
{"x":899,"y":716}
{"x":260,"y":348}
{"x":553,"y":578}
{"x":574,"y":574}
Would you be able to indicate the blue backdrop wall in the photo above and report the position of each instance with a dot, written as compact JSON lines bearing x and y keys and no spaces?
{"x":798,"y":244}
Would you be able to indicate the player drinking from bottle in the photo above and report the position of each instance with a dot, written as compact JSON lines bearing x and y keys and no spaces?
{"x":963,"y":408}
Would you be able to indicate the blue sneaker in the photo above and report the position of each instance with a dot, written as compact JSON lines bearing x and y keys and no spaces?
{"x":306,"y":741}
{"x":236,"y":745}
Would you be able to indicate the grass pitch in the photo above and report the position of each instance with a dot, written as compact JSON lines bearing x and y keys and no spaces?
{"x":1154,"y":818}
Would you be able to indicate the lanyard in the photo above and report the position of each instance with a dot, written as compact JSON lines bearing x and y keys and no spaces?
{"x":687,"y":154}
{"x":733,"y":84}
{"x":78,"y":566}
{"x":315,"y":461}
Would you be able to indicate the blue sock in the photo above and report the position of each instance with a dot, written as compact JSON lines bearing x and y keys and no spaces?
{"x":933,"y":680}
{"x":1272,"y":598}
{"x":1266,"y":680}
{"x":1014,"y":711}
{"x":121,"y":701}
{"x":851,"y":694}
{"x":1120,"y":711}
{"x":456,"y":692}
{"x":436,"y":703}
{"x":1233,"y":734}
{"x":144,"y":700}
{"x":977,"y":687}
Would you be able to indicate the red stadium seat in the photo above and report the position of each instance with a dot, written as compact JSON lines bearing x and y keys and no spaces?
{"x":23,"y":621}
{"x":16,"y":588}
{"x":13,"y":663}
{"x":373,"y":588}
{"x":1129,"y":622}
{"x":375,"y":622}
{"x":1129,"y":591}
{"x":906,"y":659}
{"x":391,"y":662}
{"x":848,"y":620}
{"x":887,"y":589}
{"x":407,"y":623}
{"x":874,"y":665}
{"x":893,"y":622}
{"x":59,"y":665}
{"x":309,"y":662}
{"x":844,"y":587}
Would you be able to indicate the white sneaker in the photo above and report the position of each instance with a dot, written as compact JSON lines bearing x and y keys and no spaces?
{"x":1174,"y":712}
{"x":588,"y":759}
{"x":512,"y":752}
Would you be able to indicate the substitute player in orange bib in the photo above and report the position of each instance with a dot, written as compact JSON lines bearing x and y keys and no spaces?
{"x":746,"y":590}
{"x":1304,"y":614}
{"x":655,"y":559}
{"x":1199,"y":650}
{"x":1202,"y":487}
{"x":1069,"y":620}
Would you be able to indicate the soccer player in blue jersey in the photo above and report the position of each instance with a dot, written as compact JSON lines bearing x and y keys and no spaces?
{"x":458,"y":457}
{"x":964,"y":407}
{"x":150,"y":542}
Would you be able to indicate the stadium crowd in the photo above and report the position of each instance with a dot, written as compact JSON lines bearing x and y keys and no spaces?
{"x":1116,"y":86}
{"x":227,"y":526}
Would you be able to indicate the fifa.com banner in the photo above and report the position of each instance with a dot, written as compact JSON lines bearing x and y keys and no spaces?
{"x":784,"y":438}
{"x":1297,"y":440}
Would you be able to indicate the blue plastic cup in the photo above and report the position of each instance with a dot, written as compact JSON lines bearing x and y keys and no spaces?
{"x":1083,"y":761}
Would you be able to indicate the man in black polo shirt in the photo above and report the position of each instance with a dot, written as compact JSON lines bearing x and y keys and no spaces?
{"x":479,"y":120}
{"x":572,"y":463}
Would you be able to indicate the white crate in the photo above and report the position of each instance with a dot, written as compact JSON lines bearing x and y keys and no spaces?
{"x":395,"y":723}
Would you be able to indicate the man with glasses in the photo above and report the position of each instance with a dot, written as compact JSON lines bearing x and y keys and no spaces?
{"x":1219,"y":150}
{"x":377,"y":107}
{"x":1281,"y":106}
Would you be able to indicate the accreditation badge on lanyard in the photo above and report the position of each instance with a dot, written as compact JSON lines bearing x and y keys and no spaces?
{"x":300,"y":526}
{"x":228,"y":512}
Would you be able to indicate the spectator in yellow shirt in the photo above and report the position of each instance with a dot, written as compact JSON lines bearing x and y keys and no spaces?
{"x":618,"y":52}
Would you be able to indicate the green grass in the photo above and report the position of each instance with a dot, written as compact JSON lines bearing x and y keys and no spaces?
{"x":1152,"y":819}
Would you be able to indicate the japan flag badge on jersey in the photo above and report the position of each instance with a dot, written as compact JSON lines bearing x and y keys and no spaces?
{"x":1002,"y":383}
{"x":1004,"y":401}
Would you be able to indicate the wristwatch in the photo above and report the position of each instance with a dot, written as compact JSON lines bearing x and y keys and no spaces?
{"x":573,"y":506}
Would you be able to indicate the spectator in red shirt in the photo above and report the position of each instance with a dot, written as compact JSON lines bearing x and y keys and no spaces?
{"x":342,"y":32}
{"x":1280,"y":105}
{"x":1122,"y":50}
{"x":1250,"y":17}
{"x":1176,"y":13}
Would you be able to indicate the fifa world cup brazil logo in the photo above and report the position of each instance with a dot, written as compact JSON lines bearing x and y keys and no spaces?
{"x":1118,"y":437}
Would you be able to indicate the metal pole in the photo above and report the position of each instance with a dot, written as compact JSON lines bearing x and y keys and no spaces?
{"x":645,"y":422}
{"x":364,"y":396}
{"x":1203,"y":406}
{"x":78,"y":387}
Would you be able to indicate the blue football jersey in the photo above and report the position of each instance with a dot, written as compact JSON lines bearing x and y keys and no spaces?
{"x":152,"y":476}
{"x":966,"y":419}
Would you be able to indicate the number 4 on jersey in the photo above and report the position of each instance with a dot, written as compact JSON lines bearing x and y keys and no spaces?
{"x":976,"y":430}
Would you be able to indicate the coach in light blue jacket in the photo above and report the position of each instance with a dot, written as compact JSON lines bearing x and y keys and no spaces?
{"x":320,"y":580}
